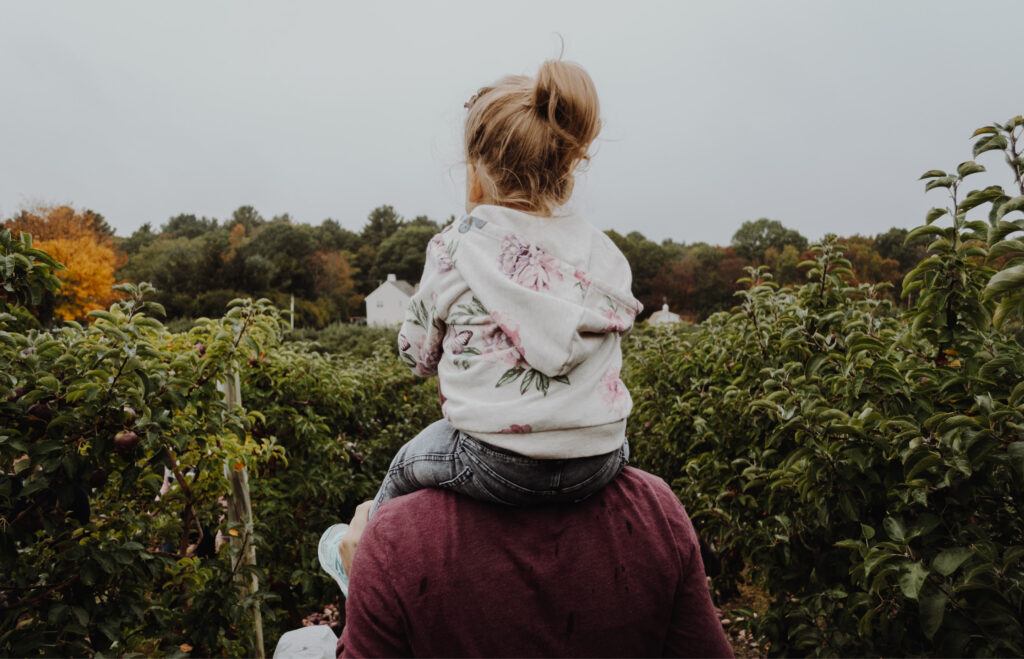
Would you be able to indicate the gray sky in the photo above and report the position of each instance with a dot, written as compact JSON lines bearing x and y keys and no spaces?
{"x":820,"y":114}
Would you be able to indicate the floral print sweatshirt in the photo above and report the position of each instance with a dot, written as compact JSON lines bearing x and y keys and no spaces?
{"x":521,"y":317}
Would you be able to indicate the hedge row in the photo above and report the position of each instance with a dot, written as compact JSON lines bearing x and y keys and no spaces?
{"x":859,"y":463}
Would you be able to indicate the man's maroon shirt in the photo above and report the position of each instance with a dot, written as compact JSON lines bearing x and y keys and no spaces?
{"x":618,"y":575}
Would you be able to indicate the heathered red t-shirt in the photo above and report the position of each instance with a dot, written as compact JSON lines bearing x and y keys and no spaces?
{"x":618,"y":575}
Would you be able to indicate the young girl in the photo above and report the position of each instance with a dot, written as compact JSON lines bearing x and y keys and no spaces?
{"x":520,"y":313}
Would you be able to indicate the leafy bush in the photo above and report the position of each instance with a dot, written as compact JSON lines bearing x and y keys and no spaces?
{"x":28,"y":280}
{"x":100,"y":550}
{"x":340,"y":420}
{"x":348,"y":339}
{"x":862,"y":465}
{"x":95,"y":556}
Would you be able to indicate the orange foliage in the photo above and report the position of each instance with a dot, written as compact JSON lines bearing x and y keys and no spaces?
{"x":333,"y":273}
{"x":88,"y":278}
{"x":52,"y":222}
{"x":83,"y":242}
{"x":236,"y":238}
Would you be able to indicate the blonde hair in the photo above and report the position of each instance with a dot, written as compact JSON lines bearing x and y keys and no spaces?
{"x":526,"y":136}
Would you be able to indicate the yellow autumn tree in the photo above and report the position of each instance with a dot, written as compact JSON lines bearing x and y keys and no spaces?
{"x":333,"y":277}
{"x":81,"y":241}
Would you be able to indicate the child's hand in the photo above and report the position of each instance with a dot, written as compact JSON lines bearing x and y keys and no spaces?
{"x":350,"y":541}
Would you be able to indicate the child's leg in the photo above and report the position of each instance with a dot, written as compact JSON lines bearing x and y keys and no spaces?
{"x":429,"y":460}
{"x":579,"y":481}
{"x":517,"y":480}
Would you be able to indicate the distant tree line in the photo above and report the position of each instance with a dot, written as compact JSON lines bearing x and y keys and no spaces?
{"x":698,"y":279}
{"x":198,"y":264}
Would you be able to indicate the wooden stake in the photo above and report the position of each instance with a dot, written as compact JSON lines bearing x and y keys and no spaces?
{"x":243,"y":549}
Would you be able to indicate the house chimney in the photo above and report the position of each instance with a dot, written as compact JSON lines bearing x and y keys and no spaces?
{"x":392,"y":277}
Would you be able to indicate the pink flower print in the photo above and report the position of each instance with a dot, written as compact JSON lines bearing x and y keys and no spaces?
{"x":456,"y":341}
{"x":527,"y":265}
{"x":513,"y":253}
{"x":501,"y":341}
{"x":582,"y":279}
{"x":498,"y":347}
{"x":516,"y":429}
{"x":613,"y":390}
{"x":509,"y":329}
{"x":615,"y":322}
{"x":425,"y":358}
{"x":441,"y":254}
{"x":429,"y":359}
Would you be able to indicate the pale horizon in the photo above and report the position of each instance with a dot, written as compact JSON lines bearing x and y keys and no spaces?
{"x":818,"y":114}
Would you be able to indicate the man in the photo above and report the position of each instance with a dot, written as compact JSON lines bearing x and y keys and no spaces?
{"x":620,"y":574}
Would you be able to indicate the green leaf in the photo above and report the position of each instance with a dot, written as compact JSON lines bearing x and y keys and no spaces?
{"x":992,"y":143}
{"x":1005,"y":281}
{"x":81,"y":614}
{"x":894,"y":529}
{"x":944,"y":182}
{"x":849,"y":544}
{"x":104,"y":315}
{"x":985,"y":130}
{"x":157,"y":308}
{"x":925,"y":230}
{"x":912,"y":579}
{"x":930,"y":459}
{"x":949,"y":560}
{"x":1006,"y":248}
{"x":1001,"y":229}
{"x":969,"y":167}
{"x":542,"y":383}
{"x":932,"y":173}
{"x":1015,"y":204}
{"x":935,"y":214}
{"x":976,"y":198}
{"x":509,"y":376}
{"x":527,"y":381}
{"x":1016,"y":453}
{"x":932,"y":608}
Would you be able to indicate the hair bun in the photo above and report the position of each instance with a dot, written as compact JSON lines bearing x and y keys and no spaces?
{"x":564,"y":95}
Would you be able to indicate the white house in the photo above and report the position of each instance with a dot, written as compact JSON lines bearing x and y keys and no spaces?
{"x":387,"y":303}
{"x":663,"y":317}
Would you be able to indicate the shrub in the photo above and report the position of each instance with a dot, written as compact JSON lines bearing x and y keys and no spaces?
{"x":100,"y":550}
{"x":95,"y":556}
{"x":349,"y":339}
{"x":862,"y":465}
{"x":340,"y":420}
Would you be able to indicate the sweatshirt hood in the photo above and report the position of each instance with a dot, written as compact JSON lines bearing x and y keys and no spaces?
{"x":555,"y":286}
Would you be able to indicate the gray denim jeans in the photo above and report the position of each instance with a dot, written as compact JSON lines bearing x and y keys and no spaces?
{"x":443,"y":457}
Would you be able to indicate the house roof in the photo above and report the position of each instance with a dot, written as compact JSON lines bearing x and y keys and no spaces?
{"x":663,"y":316}
{"x":400,"y":284}
{"x":404,"y":286}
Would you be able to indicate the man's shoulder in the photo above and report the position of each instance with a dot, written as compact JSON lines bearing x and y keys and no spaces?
{"x":632,"y":489}
{"x":645,"y":479}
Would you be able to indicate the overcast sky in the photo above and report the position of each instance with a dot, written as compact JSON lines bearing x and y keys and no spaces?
{"x":819,"y":114}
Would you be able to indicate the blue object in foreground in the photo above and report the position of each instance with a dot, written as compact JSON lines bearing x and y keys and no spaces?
{"x":330,"y":557}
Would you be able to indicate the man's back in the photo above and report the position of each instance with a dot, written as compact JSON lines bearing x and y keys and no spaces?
{"x":620,"y":574}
